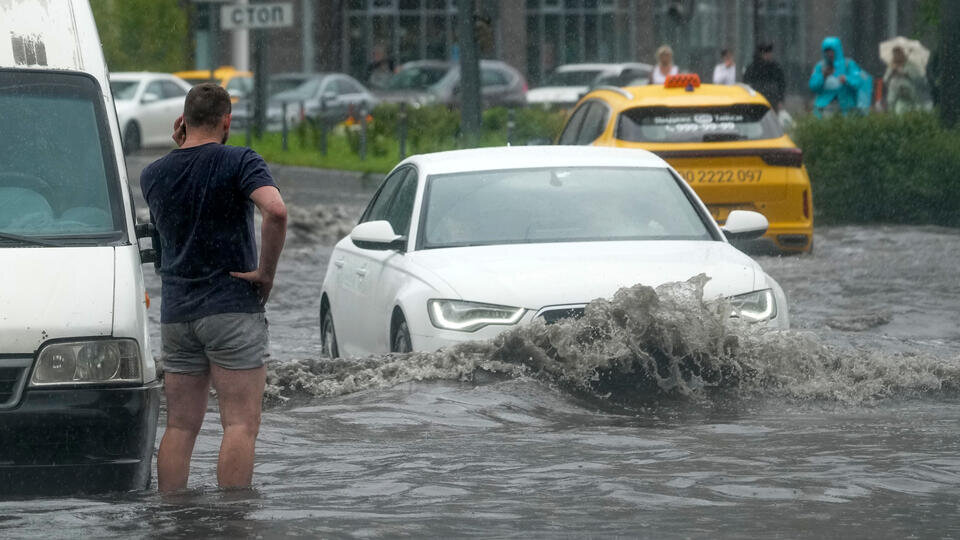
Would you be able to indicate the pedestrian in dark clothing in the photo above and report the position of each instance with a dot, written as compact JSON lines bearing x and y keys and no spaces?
{"x":765,"y":75}
{"x":213,"y":329}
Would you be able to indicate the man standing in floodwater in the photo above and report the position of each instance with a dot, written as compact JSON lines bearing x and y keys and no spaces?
{"x":213,"y":327}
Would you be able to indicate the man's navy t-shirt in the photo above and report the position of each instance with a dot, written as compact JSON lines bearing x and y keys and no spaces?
{"x":200,"y":204}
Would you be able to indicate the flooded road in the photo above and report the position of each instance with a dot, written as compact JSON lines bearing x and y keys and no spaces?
{"x":848,"y":425}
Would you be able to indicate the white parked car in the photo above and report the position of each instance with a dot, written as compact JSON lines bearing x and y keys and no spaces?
{"x":458,"y":246}
{"x":570,"y":82}
{"x":147,"y":105}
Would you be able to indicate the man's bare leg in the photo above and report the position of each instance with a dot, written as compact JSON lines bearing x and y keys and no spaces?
{"x":186,"y":404}
{"x":240,"y":393}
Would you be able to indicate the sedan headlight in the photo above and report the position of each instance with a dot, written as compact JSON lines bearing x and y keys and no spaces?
{"x":755,"y":306}
{"x":88,"y":362}
{"x":470,"y":316}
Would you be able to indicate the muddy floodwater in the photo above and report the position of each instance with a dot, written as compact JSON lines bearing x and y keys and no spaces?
{"x":846,"y":426}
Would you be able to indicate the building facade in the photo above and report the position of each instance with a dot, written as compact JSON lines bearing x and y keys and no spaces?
{"x":537,"y":35}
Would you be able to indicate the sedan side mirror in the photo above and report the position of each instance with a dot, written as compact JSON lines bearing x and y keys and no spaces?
{"x":745,"y":225}
{"x":377,"y":235}
{"x":149,"y":97}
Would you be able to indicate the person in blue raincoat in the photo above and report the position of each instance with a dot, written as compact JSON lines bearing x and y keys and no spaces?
{"x":836,"y":81}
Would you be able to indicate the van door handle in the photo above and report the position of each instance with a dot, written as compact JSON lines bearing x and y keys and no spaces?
{"x":362,"y":272}
{"x":338,"y":263}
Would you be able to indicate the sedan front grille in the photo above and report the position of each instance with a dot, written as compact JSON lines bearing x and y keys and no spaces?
{"x":551,"y":316}
{"x":12,"y":375}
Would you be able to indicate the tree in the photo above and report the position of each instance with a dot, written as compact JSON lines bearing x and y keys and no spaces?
{"x":470,"y":107}
{"x":949,"y":63}
{"x":148,"y":35}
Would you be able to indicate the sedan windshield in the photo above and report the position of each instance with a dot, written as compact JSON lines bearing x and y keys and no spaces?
{"x":124,"y":90}
{"x":57,"y":180}
{"x":294,"y":89}
{"x":698,"y":124}
{"x":557,"y":205}
{"x":416,"y":78}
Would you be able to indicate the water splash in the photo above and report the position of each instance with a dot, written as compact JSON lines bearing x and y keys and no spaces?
{"x":644,"y":344}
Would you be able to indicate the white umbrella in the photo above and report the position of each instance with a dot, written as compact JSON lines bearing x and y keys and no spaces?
{"x":915,"y":51}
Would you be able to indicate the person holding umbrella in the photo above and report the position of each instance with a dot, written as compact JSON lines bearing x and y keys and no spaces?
{"x":905,"y":79}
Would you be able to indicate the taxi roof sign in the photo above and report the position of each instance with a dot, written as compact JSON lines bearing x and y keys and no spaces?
{"x":683,"y":80}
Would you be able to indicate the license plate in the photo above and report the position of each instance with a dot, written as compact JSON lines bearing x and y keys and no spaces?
{"x":721,"y":176}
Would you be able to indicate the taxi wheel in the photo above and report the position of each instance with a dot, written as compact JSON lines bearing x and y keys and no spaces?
{"x":328,"y":336}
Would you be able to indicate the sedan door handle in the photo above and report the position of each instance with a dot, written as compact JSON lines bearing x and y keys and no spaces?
{"x":362,"y":272}
{"x":338,"y":263}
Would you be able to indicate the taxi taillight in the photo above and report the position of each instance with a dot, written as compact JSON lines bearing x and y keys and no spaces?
{"x":783,"y":157}
{"x":777,"y":157}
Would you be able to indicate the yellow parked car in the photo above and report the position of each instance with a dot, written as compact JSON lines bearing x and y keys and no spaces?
{"x":238,"y":83}
{"x":725,"y":141}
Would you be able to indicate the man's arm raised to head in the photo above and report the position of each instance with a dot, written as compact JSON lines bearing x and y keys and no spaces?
{"x":273,"y":232}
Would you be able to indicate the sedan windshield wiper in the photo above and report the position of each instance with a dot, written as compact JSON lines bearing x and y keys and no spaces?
{"x":28,"y":240}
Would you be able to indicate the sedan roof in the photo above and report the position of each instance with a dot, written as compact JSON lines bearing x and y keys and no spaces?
{"x":532,"y":157}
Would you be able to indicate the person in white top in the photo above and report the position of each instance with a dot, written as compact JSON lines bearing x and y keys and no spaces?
{"x":664,"y":66}
{"x":726,"y":71}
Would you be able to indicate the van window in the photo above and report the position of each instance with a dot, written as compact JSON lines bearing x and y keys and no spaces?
{"x":58,"y":179}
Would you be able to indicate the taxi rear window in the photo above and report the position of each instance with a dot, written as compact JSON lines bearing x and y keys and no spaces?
{"x":698,"y":124}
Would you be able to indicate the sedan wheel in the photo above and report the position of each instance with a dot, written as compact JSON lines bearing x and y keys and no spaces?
{"x":131,"y":138}
{"x":401,"y":339}
{"x":328,"y":336}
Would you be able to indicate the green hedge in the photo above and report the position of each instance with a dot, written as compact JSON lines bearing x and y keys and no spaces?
{"x":882,"y":168}
{"x":430,"y":128}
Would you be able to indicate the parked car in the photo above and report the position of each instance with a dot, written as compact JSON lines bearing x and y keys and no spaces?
{"x":238,"y":83}
{"x":433,"y":81}
{"x":147,"y":105}
{"x":570,"y":82}
{"x":79,"y":394}
{"x":726,"y":141}
{"x":333,"y":96}
{"x":461,"y":245}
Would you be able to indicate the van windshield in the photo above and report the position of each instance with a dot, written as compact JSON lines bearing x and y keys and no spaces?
{"x":58,"y":181}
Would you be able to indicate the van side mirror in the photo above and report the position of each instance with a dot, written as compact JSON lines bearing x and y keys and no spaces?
{"x":377,"y":235}
{"x":744,"y":225}
{"x":149,"y":97}
{"x":150,"y":254}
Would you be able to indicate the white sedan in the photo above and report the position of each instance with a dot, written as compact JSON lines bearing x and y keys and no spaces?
{"x":147,"y":104}
{"x":458,"y":246}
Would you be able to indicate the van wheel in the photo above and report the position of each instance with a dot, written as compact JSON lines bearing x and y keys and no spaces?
{"x":131,"y":138}
{"x":328,"y":336}
{"x":401,"y":338}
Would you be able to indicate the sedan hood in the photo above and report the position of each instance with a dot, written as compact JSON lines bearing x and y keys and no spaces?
{"x":537,"y":275}
{"x":51,"y":293}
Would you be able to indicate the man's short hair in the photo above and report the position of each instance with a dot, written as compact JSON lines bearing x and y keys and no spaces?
{"x":206,"y":105}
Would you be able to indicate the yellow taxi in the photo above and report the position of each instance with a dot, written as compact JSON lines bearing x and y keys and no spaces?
{"x":725,"y":141}
{"x":237,"y":83}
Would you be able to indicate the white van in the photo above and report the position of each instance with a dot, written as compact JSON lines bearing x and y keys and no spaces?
{"x":79,"y":395}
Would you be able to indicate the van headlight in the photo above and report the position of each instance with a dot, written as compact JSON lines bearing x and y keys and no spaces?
{"x":755,"y":306}
{"x":104,"y":361}
{"x":470,"y":316}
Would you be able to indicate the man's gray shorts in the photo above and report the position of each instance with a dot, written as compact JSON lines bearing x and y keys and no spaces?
{"x":229,"y":340}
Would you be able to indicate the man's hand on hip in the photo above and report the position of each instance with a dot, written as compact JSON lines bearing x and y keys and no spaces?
{"x":262,"y":280}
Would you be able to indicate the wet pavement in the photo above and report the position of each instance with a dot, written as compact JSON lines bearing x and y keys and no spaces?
{"x":847,"y":425}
